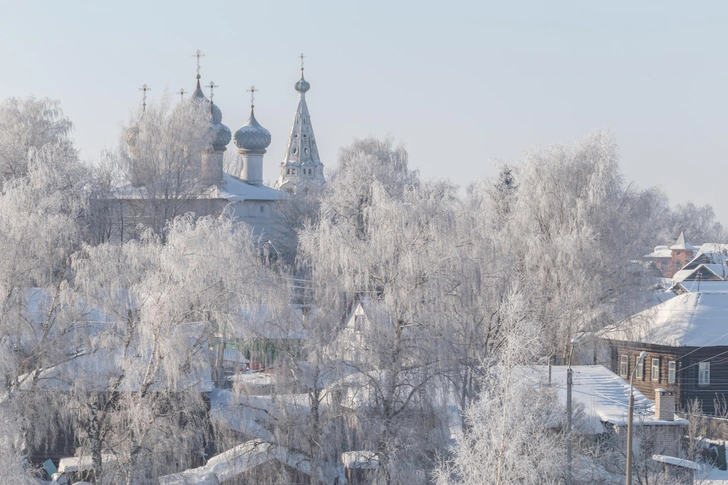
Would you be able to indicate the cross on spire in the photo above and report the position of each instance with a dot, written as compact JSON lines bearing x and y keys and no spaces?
{"x":182,"y":93}
{"x":198,"y":54}
{"x":212,"y":86}
{"x":252,"y":91}
{"x":301,"y":57}
{"x":144,"y":88}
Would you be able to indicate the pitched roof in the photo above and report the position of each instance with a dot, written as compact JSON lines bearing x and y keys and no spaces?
{"x":688,"y":320}
{"x":603,"y":397}
{"x":682,"y":243}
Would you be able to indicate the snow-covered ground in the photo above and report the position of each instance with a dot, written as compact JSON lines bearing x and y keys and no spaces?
{"x":709,"y":475}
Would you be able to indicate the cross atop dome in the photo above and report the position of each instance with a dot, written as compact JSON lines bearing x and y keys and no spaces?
{"x":252,"y":91}
{"x":198,"y":54}
{"x":144,"y":88}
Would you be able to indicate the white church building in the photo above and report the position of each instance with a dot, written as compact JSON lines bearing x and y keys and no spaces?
{"x":243,"y":193}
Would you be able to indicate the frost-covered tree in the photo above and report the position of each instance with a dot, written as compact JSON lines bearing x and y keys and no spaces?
{"x":572,"y":232}
{"x":27,"y":125}
{"x":159,"y":160}
{"x":513,"y":434}
{"x":698,"y":223}
{"x":164,"y":305}
{"x":43,"y":219}
{"x":383,"y":235}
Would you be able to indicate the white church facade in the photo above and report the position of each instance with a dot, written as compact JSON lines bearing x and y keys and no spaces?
{"x":243,"y":194}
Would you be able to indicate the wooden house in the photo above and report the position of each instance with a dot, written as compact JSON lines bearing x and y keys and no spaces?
{"x":686,"y":341}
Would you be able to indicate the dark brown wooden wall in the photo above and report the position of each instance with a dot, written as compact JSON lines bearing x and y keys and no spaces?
{"x":686,"y":386}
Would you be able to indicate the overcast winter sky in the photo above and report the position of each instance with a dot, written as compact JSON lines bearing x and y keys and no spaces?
{"x":463,"y":84}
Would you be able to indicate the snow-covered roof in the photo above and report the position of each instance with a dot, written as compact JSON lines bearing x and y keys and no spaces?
{"x":363,"y":460}
{"x":688,"y":320}
{"x":232,"y":189}
{"x":239,"y":460}
{"x":671,"y":460}
{"x":682,"y":244}
{"x":602,"y":395}
{"x":660,"y":252}
{"x":694,"y":286}
{"x":76,"y":463}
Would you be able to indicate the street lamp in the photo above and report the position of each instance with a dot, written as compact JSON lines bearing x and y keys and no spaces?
{"x":569,"y":383}
{"x":630,"y":412}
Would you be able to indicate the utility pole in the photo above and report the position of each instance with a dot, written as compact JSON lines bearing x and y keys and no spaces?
{"x":630,"y":412}
{"x":569,"y":385}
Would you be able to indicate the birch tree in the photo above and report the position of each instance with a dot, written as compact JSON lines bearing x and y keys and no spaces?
{"x":386,"y":239}
{"x":513,"y":434}
{"x":27,"y":125}
{"x":165,"y":305}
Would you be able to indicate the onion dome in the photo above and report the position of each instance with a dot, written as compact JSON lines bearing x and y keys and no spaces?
{"x":252,"y":136}
{"x":221,"y":134}
{"x":302,"y":85}
{"x":132,"y":136}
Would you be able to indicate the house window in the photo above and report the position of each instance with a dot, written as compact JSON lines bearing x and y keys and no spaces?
{"x":623,"y":365}
{"x":655,"y":370}
{"x":261,"y":208}
{"x":704,"y":373}
{"x":639,"y":370}
{"x":671,"y":372}
{"x":358,"y":323}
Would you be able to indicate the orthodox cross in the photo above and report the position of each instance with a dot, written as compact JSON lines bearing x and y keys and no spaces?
{"x":252,"y":91}
{"x":198,"y":54}
{"x":301,"y":57}
{"x":144,"y":97}
{"x":212,"y":86}
{"x":182,"y":93}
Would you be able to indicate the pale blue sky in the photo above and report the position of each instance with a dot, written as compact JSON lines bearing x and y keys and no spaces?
{"x":463,"y":84}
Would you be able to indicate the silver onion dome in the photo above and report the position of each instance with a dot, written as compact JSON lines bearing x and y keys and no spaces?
{"x":252,"y":136}
{"x":302,"y":85}
{"x":220,"y":135}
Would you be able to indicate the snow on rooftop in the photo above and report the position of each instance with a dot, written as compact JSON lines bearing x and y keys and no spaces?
{"x":682,"y":244}
{"x":237,"y":461}
{"x":232,"y":189}
{"x":603,"y":396}
{"x":660,"y":252}
{"x":235,"y":189}
{"x":671,"y":460}
{"x":688,"y":320}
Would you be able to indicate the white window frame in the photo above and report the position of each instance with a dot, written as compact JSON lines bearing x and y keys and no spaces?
{"x":703,"y":373}
{"x":639,"y":370}
{"x":671,"y":372}
{"x":655,"y":371}
{"x":624,"y":365}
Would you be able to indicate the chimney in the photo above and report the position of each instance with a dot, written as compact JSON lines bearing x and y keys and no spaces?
{"x":664,"y":405}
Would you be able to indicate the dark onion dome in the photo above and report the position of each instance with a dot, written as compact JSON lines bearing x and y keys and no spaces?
{"x":252,"y":136}
{"x":302,"y":85}
{"x":132,"y":136}
{"x":221,"y":134}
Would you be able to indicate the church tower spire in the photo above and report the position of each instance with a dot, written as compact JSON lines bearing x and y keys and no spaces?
{"x":301,"y":164}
